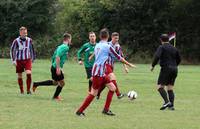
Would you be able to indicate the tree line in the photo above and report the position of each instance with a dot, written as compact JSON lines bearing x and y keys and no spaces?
{"x":139,"y":22}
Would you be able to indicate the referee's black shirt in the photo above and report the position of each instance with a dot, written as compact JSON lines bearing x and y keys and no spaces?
{"x":168,"y":56}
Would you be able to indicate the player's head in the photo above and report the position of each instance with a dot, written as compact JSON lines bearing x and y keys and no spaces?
{"x":67,"y":38}
{"x":104,"y":34}
{"x":23,"y":31}
{"x":115,"y":37}
{"x":164,"y":38}
{"x":92,"y":37}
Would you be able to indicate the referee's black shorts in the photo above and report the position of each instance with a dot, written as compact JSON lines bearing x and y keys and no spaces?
{"x":88,"y":72}
{"x":167,"y":76}
{"x":54,"y":76}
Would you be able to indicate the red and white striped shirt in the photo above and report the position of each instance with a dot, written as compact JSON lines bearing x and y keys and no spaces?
{"x":118,"y":50}
{"x":22,"y":49}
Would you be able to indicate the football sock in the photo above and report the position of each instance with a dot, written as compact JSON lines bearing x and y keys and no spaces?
{"x":108,"y":100}
{"x":90,"y":85}
{"x":117,"y":89}
{"x":57,"y":92}
{"x":171,"y":96}
{"x":28,"y":82}
{"x":44,"y":83}
{"x":86,"y":103}
{"x":163,"y":94}
{"x":20,"y":83}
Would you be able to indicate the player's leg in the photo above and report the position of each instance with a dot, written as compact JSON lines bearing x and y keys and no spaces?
{"x":28,"y":66}
{"x":89,"y":77}
{"x":20,"y":83}
{"x":171,"y":96}
{"x":111,"y":91}
{"x":44,"y":83}
{"x":19,"y":71}
{"x":113,"y":80}
{"x":59,"y":88}
{"x":97,"y":82}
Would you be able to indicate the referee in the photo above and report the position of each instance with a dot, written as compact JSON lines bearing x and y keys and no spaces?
{"x":169,"y":58}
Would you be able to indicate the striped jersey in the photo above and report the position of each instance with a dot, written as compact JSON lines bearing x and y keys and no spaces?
{"x":118,"y":50}
{"x":22,"y":49}
{"x":102,"y":51}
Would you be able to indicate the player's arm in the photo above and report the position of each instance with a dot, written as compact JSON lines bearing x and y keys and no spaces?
{"x":60,"y":53}
{"x":32,"y":51}
{"x":156,"y":57}
{"x":122,"y":55}
{"x":121,"y":58}
{"x":80,"y":51}
{"x":13,"y":52}
{"x":91,"y":56}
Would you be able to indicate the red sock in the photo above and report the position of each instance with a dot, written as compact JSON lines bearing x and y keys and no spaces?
{"x":20,"y":82}
{"x":117,"y":89}
{"x":108,"y":100}
{"x":28,"y":82}
{"x":86,"y":103}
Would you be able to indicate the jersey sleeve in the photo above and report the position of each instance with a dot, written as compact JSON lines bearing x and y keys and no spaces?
{"x":119,"y":51}
{"x":157,"y":56}
{"x":13,"y":49}
{"x":114,"y":53}
{"x":80,"y":51}
{"x":32,"y":51}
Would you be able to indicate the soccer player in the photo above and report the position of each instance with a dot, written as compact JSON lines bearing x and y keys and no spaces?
{"x":58,"y":59}
{"x":169,"y":58}
{"x":110,"y":64}
{"x":88,"y":50}
{"x":22,"y":55}
{"x":102,"y":51}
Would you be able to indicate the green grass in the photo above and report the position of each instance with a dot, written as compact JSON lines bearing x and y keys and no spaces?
{"x":38,"y":111}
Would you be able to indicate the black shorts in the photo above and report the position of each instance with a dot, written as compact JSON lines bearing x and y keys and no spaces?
{"x":167,"y":76}
{"x":88,"y":72}
{"x":54,"y":76}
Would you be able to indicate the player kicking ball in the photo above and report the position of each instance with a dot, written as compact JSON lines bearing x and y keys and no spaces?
{"x":58,"y":59}
{"x":22,"y":55}
{"x":110,"y":64}
{"x":102,"y":51}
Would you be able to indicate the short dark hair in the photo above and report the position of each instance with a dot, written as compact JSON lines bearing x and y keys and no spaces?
{"x":115,"y":34}
{"x":104,"y":33}
{"x":22,"y":28}
{"x":164,"y":38}
{"x":91,"y":32}
{"x":66,"y":36}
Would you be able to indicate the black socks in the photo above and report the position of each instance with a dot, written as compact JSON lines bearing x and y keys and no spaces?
{"x":171,"y":96}
{"x":57,"y":92}
{"x":44,"y":83}
{"x":163,"y":93}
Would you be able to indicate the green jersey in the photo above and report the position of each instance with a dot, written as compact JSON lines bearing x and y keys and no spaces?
{"x":61,"y":51}
{"x":88,"y":50}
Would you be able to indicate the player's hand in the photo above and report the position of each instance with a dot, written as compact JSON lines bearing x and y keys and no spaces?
{"x":132,"y":65}
{"x":14,"y":63}
{"x":80,"y":62}
{"x":151,"y":69}
{"x":58,"y":71}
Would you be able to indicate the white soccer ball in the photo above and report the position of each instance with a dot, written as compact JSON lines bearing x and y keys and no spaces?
{"x":132,"y":95}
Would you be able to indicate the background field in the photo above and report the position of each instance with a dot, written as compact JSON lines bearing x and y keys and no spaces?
{"x":38,"y":111}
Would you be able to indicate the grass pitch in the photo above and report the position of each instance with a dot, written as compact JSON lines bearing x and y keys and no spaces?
{"x":38,"y":111}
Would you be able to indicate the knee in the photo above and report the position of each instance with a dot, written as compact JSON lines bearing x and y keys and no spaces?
{"x":159,"y":87}
{"x":62,"y":84}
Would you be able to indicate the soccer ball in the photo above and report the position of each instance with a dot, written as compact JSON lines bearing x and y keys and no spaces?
{"x":132,"y":95}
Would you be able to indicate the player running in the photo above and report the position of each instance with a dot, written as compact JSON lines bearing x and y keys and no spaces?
{"x":88,"y":50}
{"x":22,"y":55}
{"x":58,"y":59}
{"x":169,"y":58}
{"x":102,"y":51}
{"x":110,"y":64}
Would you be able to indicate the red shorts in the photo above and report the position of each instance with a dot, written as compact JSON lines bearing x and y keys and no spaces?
{"x":23,"y":64}
{"x":99,"y":82}
{"x":109,"y":69}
